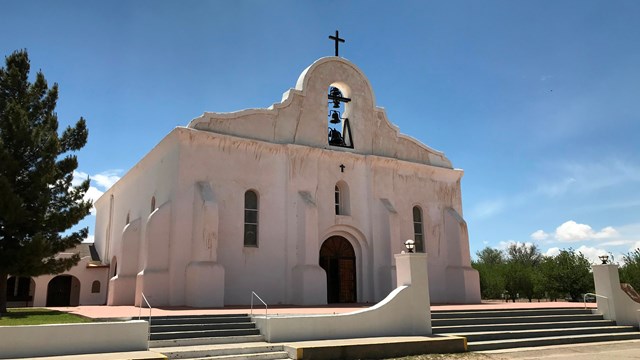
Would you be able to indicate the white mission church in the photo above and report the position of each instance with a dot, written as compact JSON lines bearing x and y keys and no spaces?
{"x":304,"y":203}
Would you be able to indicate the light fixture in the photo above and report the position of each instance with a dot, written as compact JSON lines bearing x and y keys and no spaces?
{"x":604,"y":259}
{"x":410,"y":244}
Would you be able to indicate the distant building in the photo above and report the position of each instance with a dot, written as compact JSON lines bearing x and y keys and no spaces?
{"x":85,"y":283}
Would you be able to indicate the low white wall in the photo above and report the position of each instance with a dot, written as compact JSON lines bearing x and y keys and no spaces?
{"x":404,"y":312}
{"x":618,"y":306}
{"x":71,"y":339}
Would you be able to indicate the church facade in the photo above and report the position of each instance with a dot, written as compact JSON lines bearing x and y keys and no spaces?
{"x":303,"y":203}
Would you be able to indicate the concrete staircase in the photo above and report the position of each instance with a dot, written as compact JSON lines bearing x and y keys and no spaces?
{"x":506,"y":329}
{"x":211,"y":337}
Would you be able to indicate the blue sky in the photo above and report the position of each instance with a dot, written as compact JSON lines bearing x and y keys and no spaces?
{"x":538,"y":101}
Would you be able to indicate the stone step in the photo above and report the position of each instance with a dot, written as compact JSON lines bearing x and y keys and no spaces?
{"x":200,"y":327}
{"x":205,"y":341}
{"x":525,"y":334}
{"x":198,"y":320}
{"x":205,"y":333}
{"x":230,"y":350}
{"x":520,"y":326}
{"x":513,"y":320}
{"x":507,"y":313}
{"x":546,"y":341}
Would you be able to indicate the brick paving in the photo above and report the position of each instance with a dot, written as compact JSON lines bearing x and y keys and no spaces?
{"x":101,"y":311}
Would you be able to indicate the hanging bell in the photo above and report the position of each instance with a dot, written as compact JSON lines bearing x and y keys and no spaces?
{"x":335,"y":117}
{"x":335,"y":95}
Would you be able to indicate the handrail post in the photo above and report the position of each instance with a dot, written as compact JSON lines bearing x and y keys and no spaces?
{"x":266,"y":307}
{"x":149,"y":321}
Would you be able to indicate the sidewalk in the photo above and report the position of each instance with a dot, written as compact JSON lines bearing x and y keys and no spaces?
{"x":98,"y":312}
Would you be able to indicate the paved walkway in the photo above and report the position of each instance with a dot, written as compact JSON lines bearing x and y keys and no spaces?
{"x":132,"y":311}
{"x":619,"y":350}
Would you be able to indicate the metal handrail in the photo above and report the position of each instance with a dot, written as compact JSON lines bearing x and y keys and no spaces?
{"x":266,"y":308}
{"x":149,"y":321}
{"x":584,"y":298}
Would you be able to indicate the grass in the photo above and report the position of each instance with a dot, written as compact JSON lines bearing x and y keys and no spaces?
{"x":36,"y":316}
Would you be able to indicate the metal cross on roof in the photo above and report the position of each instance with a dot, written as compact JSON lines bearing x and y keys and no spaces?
{"x":337,"y":40}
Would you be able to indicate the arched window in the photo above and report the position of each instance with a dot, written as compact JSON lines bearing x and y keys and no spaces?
{"x":341,"y":198}
{"x":418,"y":232}
{"x":251,"y":218}
{"x":153,"y":203}
{"x":128,"y":215}
{"x":95,"y":287}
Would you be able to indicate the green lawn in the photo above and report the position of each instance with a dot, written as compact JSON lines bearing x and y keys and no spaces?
{"x":36,"y":316}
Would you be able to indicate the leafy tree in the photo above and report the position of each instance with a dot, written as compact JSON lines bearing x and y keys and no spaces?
{"x":630,"y":271}
{"x":523,"y":262}
{"x":569,"y":273}
{"x":490,"y":266}
{"x":37,"y":200}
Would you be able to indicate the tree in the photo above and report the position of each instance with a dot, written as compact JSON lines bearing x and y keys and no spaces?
{"x":38,"y":203}
{"x":630,"y":271}
{"x":490,"y":266}
{"x":569,"y":273}
{"x":520,"y":275}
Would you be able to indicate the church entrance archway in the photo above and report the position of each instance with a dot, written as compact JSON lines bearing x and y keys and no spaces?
{"x":63,"y":290}
{"x":338,"y":259}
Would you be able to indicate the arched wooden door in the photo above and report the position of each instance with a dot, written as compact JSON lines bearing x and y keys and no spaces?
{"x":338,"y":259}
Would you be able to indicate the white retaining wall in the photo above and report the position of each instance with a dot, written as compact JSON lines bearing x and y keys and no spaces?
{"x":71,"y":339}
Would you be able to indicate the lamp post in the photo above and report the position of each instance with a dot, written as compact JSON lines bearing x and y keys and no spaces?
{"x":410,"y":245}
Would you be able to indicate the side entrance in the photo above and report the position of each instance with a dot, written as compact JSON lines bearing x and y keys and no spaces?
{"x":338,"y":259}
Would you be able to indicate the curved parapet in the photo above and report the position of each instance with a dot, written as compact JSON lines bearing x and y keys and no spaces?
{"x":301,"y":117}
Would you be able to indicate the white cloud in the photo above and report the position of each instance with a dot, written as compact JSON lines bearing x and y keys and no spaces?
{"x":592,"y":253}
{"x":78,"y":177}
{"x":90,"y":238}
{"x":554,"y":251}
{"x":106,"y":179}
{"x":571,"y":231}
{"x":539,"y":235}
{"x":100,"y":183}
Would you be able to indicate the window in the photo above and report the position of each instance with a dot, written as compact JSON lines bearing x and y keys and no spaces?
{"x":417,"y":229}
{"x":95,"y":287}
{"x":251,"y":218}
{"x":128,"y":214}
{"x":153,"y":203}
{"x":341,"y":198}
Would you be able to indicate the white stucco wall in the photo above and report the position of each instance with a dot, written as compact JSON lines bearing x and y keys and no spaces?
{"x":85,"y":275}
{"x":282,"y":153}
{"x":404,"y":312}
{"x":70,"y":339}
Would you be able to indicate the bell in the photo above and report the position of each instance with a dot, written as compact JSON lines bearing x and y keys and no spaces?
{"x":335,"y":95}
{"x":335,"y":117}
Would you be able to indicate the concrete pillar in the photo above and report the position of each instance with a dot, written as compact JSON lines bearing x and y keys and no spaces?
{"x":616,"y":305}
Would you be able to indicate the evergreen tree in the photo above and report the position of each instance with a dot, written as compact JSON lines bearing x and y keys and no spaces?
{"x":38,"y":203}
